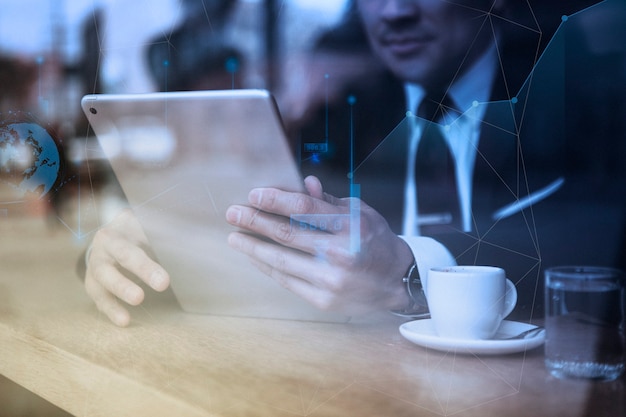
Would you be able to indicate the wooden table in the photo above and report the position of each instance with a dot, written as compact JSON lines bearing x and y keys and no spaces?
{"x":169,"y":363}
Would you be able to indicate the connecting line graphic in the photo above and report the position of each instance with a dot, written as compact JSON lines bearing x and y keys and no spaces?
{"x":355,"y":190}
{"x":447,"y":398}
{"x":315,"y":148}
{"x":326,"y":222}
{"x":43,"y":103}
{"x":166,"y":64}
{"x":333,"y":223}
{"x":78,"y":232}
{"x":232,"y":66}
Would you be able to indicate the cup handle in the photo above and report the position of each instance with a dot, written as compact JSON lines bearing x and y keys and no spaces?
{"x":510,"y":299}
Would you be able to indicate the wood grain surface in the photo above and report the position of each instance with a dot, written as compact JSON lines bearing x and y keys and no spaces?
{"x":54,"y":343}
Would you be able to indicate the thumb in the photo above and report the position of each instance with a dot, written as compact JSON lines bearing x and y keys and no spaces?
{"x":314,"y":187}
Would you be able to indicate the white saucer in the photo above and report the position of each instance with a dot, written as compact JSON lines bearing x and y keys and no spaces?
{"x":422,"y":333}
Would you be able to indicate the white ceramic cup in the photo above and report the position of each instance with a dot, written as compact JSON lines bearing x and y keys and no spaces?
{"x":469,"y":302}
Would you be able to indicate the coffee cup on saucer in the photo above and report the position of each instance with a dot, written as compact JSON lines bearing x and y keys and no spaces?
{"x":469,"y":302}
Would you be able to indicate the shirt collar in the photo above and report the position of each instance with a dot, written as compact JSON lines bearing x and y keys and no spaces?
{"x":473,"y":86}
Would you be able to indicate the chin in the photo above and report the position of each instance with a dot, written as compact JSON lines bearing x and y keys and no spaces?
{"x":408,"y":69}
{"x":410,"y":74}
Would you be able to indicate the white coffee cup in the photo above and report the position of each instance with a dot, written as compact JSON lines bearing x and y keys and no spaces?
{"x":469,"y":302}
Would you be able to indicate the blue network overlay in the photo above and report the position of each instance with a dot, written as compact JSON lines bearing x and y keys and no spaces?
{"x":346,"y":121}
{"x":32,"y":163}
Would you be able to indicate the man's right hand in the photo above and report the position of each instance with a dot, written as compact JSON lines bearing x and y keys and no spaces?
{"x":117,"y":253}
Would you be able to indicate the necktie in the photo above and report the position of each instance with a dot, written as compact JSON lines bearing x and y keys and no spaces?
{"x":433,"y":109}
{"x":437,"y":200}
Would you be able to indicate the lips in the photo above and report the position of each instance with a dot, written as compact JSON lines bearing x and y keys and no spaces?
{"x":405,"y":44}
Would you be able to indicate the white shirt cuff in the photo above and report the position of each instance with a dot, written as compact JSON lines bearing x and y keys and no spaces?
{"x":428,"y":253}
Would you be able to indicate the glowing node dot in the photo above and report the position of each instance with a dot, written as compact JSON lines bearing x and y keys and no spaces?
{"x":514,"y":100}
{"x":564,"y":18}
{"x":474,"y":103}
{"x":409,"y":114}
{"x":326,"y":76}
{"x":351,"y":100}
{"x":350,"y":175}
{"x":166,"y":63}
{"x":232,"y":65}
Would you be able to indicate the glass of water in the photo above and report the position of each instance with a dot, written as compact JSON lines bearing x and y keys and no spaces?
{"x":585,"y":322}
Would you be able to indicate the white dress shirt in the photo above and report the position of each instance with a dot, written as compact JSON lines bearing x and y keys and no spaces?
{"x":470,"y":93}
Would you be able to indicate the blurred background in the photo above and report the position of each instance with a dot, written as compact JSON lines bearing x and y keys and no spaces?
{"x":63,"y":49}
{"x":52,"y":52}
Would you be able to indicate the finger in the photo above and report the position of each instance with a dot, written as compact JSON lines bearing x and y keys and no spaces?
{"x":107,"y":303}
{"x":314,"y":187}
{"x":287,"y":281}
{"x":132,"y":258}
{"x":285,"y":203}
{"x":117,"y":284}
{"x":329,"y":214}
{"x":298,"y":233}
{"x":312,"y":294}
{"x":280,"y":261}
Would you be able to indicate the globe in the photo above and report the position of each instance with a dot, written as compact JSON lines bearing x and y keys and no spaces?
{"x":29,"y":159}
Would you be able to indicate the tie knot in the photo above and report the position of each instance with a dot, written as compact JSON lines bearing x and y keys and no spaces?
{"x":435,"y":107}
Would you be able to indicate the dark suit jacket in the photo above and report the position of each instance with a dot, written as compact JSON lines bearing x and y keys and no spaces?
{"x":564,"y":134}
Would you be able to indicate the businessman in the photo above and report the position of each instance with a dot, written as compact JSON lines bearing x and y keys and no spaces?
{"x":525,"y":190}
{"x":531,"y":191}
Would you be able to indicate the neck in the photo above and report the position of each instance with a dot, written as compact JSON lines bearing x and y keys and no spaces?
{"x":474,"y":85}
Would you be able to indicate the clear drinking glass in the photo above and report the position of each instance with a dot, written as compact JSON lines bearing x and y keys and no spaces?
{"x":585,"y":323}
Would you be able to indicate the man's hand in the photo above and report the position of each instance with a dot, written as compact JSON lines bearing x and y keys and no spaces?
{"x":116,"y":253}
{"x":338,"y":254}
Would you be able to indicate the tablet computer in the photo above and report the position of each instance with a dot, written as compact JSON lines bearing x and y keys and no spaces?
{"x":182,"y":158}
